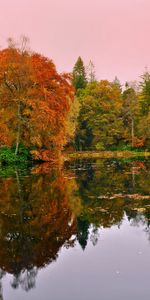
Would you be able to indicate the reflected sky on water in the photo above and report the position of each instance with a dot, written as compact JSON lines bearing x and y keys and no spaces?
{"x":81,"y":232}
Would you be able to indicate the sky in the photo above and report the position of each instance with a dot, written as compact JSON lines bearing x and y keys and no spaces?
{"x":114,"y":34}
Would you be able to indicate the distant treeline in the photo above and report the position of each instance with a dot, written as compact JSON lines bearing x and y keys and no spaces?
{"x":111,"y":117}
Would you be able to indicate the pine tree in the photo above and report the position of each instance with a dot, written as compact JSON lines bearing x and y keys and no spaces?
{"x":79,"y":80}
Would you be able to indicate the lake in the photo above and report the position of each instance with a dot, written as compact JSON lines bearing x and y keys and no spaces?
{"x":81,"y":232}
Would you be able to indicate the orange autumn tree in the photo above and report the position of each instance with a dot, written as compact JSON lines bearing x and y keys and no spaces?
{"x":34,"y":102}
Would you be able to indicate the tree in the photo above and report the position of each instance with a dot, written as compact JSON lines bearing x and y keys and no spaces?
{"x":91,"y":72}
{"x":72,"y":123}
{"x":34,"y":102}
{"x":15,"y":71}
{"x":82,"y":232}
{"x":116,"y":81}
{"x":100,"y":123}
{"x":145,"y":93}
{"x":144,"y":102}
{"x":36,"y":215}
{"x":53,"y":96}
{"x":130,"y":113}
{"x":79,"y":80}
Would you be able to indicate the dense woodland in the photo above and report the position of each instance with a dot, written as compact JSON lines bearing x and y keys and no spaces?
{"x":43,"y":112}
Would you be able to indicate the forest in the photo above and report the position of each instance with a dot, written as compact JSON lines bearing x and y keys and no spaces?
{"x":44,"y":113}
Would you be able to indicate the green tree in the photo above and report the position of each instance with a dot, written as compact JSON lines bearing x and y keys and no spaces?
{"x":82,"y":232}
{"x":145,"y":93}
{"x":130,"y":113}
{"x":100,"y":122}
{"x":72,"y":123}
{"x":79,"y":80}
{"x":144,"y":101}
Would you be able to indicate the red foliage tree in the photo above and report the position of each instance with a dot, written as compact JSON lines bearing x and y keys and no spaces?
{"x":34,"y":102}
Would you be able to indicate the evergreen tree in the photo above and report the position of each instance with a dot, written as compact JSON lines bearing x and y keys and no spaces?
{"x":79,"y":80}
{"x":83,"y":232}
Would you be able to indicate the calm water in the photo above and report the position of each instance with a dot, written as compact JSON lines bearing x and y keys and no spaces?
{"x":78,"y":233}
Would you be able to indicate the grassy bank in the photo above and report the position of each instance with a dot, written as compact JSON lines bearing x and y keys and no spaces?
{"x":26,"y":156}
{"x":7,"y":156}
{"x":104,"y":154}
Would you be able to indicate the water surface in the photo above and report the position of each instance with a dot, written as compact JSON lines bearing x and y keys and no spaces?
{"x":80,"y":232}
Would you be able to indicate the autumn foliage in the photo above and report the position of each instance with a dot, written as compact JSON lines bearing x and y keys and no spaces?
{"x":34,"y":103}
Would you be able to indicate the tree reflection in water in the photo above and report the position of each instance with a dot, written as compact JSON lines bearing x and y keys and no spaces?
{"x":35,"y":222}
{"x":43,"y":209}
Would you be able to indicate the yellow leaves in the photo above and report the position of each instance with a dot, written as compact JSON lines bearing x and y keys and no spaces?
{"x":35,"y":154}
{"x":27,"y":112}
{"x":72,"y":119}
{"x":36,"y":140}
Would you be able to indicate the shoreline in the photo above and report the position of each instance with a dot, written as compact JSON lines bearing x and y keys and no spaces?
{"x":104,"y":154}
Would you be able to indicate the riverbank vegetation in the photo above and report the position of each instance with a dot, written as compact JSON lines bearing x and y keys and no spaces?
{"x":43,"y":112}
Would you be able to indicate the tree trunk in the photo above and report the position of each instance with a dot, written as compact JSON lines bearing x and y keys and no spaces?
{"x":132,"y":132}
{"x":18,"y":129}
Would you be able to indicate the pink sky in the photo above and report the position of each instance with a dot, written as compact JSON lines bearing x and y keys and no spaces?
{"x":114,"y":34}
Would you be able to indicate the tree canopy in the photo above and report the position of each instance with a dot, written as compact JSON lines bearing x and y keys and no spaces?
{"x":79,"y":80}
{"x":34,"y":102}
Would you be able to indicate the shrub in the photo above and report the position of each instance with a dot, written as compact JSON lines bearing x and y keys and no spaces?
{"x":7,"y":155}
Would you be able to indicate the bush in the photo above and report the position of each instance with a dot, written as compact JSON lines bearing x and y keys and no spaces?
{"x":7,"y":155}
{"x":125,"y":147}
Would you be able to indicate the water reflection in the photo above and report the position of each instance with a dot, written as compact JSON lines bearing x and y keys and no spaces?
{"x":35,"y":221}
{"x":43,"y":209}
